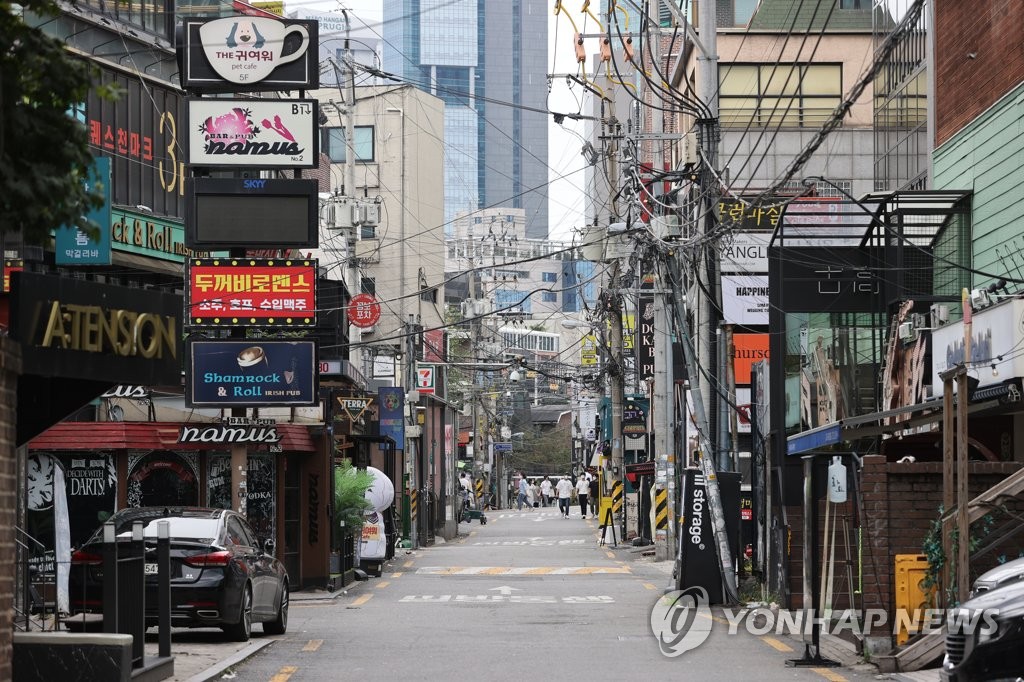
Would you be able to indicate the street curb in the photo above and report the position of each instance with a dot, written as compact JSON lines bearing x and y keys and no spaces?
{"x":218,"y":668}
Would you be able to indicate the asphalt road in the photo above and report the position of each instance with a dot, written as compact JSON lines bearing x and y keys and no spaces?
{"x":528,"y":596}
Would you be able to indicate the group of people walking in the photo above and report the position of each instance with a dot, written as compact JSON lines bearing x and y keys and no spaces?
{"x":531,"y":494}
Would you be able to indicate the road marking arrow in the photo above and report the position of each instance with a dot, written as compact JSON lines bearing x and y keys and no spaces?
{"x":505,"y":590}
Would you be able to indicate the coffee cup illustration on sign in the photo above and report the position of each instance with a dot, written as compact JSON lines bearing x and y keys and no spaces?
{"x":246,"y":49}
{"x":251,"y":356}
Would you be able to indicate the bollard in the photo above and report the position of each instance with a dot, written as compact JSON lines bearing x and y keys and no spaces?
{"x":163,"y":581}
{"x":110,"y":601}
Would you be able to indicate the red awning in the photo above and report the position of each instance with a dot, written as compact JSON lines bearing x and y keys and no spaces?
{"x":148,"y":436}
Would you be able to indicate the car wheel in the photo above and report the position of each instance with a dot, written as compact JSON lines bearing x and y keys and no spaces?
{"x":240,"y":631}
{"x":279,"y":625}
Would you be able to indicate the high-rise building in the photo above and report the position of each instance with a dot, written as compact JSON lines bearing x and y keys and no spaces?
{"x":487,"y":61}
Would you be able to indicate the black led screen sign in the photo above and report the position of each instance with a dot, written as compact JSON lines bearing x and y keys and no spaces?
{"x":250,"y":213}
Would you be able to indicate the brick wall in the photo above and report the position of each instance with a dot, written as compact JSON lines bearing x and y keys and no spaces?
{"x":10,"y":367}
{"x":900,"y":502}
{"x":966,"y":85}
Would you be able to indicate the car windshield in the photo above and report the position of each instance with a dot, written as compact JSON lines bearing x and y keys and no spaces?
{"x":200,"y":530}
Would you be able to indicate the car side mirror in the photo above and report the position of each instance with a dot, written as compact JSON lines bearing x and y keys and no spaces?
{"x":269,"y":546}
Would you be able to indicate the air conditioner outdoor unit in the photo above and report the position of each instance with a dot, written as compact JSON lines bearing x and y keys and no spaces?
{"x":906,"y":331}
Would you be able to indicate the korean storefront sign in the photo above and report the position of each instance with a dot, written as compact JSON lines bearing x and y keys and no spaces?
{"x":72,"y":246}
{"x":250,"y":291}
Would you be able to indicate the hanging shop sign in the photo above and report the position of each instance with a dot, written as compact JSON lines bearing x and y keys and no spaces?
{"x":748,"y":349}
{"x":750,"y":213}
{"x":72,"y":246}
{"x":143,"y":133}
{"x":79,"y":329}
{"x":745,"y":299}
{"x":746,"y":252}
{"x":634,"y":420}
{"x":247,"y":372}
{"x":353,"y":406}
{"x":363,"y":311}
{"x":250,"y":213}
{"x":11,"y":265}
{"x":645,"y":346}
{"x":222,"y":433}
{"x":249,"y":291}
{"x":248,"y":54}
{"x":391,"y":400}
{"x":426,"y":378}
{"x":262,"y":133}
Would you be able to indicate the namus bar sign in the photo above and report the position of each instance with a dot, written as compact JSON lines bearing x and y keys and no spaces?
{"x":252,"y":292}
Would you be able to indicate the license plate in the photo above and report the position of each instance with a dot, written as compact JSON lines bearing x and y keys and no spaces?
{"x":151,"y":569}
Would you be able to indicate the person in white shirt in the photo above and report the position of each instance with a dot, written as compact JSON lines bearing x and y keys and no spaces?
{"x":545,"y":491}
{"x":564,"y":489}
{"x":582,"y":490}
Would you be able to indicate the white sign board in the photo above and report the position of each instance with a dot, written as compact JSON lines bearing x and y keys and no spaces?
{"x":746,"y":252}
{"x":745,"y":299}
{"x":261,"y":133}
{"x":997,"y":336}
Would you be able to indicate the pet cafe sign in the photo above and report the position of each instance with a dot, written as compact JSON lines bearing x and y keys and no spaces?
{"x":248,"y":54}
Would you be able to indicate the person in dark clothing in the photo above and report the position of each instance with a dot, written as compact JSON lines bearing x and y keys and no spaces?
{"x":593,"y":496}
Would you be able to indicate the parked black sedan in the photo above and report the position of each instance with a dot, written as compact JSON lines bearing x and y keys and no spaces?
{"x":221,"y":576}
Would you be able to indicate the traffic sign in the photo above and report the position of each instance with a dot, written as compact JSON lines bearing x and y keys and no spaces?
{"x":503,"y":447}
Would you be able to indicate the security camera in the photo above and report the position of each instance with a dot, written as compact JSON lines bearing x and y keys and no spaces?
{"x":514,"y":376}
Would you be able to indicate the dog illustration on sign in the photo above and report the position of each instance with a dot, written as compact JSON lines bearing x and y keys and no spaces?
{"x":242,"y":33}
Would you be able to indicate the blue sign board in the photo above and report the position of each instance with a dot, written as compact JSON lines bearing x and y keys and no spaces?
{"x":811,"y":440}
{"x":251,"y":373}
{"x":391,"y":400}
{"x":503,"y":447}
{"x":74,"y":247}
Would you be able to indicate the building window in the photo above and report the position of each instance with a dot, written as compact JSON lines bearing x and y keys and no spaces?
{"x":334,"y":144}
{"x":369,"y":286}
{"x":367,"y":231}
{"x":854,"y":4}
{"x":788,"y":95}
{"x":549,"y":277}
{"x":548,"y":296}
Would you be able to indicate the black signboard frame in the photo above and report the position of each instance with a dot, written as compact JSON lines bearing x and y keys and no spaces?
{"x":273,"y":350}
{"x":251,"y":213}
{"x":197,"y":74}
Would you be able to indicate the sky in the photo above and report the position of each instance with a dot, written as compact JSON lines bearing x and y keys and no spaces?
{"x":565,"y":197}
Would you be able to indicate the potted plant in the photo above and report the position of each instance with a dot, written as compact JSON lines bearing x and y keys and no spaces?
{"x":350,"y":503}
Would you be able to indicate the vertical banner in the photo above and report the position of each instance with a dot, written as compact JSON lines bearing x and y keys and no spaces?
{"x":75,"y":247}
{"x":392,"y":414}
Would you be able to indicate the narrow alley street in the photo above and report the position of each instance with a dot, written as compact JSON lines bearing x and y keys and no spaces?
{"x":528,"y":596}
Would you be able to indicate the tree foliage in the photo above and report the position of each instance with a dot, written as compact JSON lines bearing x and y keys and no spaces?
{"x":44,"y":152}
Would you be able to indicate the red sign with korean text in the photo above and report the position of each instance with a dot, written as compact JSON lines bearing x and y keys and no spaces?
{"x":251,"y":292}
{"x":363,"y":311}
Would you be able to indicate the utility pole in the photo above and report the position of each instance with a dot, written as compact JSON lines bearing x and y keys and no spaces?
{"x":705,"y":327}
{"x":617,"y":397}
{"x":351,"y":270}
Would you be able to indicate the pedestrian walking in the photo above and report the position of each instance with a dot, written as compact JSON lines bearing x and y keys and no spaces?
{"x":534,"y":494}
{"x":564,"y":490}
{"x":545,"y":491}
{"x":594,"y":494}
{"x":582,"y":490}
{"x":524,"y":491}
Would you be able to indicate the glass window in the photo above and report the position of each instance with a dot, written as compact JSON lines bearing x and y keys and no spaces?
{"x":790,"y":95}
{"x":236,"y":534}
{"x":334,"y":144}
{"x":550,"y":277}
{"x":548,"y":296}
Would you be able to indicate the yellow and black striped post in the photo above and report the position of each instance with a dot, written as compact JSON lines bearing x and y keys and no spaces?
{"x":616,"y":496}
{"x":414,"y":503}
{"x":479,"y":489}
{"x":660,"y":509}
